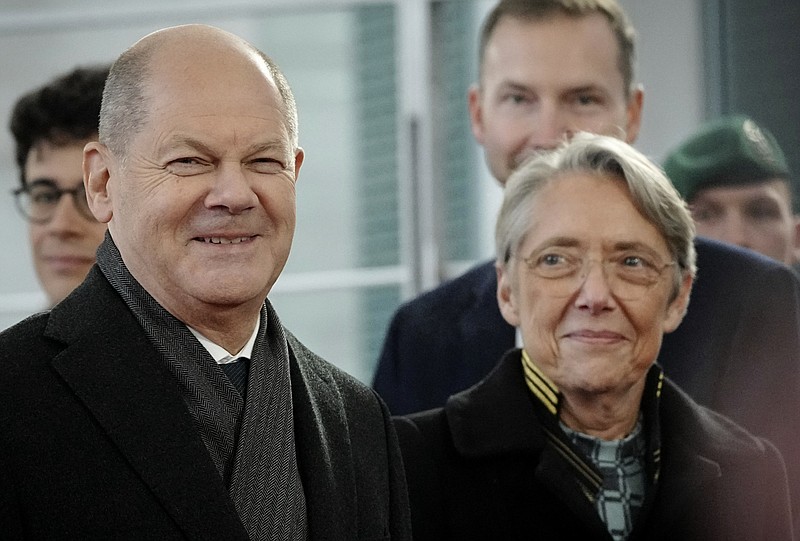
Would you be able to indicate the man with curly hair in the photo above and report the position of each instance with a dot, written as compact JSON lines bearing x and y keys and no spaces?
{"x":51,"y":124}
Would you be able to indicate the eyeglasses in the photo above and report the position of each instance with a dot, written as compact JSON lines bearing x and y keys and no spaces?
{"x":630,"y":274}
{"x":38,"y":201}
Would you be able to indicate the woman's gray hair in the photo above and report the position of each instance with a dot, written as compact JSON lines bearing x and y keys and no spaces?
{"x":653,"y":194}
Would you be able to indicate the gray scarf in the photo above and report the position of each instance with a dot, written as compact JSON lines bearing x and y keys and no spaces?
{"x":255,"y":452}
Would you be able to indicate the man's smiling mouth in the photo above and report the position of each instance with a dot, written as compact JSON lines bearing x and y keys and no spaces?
{"x":224,"y":240}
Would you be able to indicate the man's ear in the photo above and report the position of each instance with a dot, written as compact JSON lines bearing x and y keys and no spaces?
{"x":506,"y":298}
{"x":96,"y":176}
{"x":299,"y":156}
{"x":634,"y":114}
{"x":475,"y":112}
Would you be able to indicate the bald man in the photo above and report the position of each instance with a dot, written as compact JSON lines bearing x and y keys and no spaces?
{"x":163,"y":399}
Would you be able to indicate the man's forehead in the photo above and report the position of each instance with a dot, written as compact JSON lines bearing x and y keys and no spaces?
{"x":513,"y":31}
{"x":200,"y":92}
{"x":564,"y":48}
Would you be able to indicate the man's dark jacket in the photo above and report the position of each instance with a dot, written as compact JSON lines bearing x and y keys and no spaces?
{"x":96,"y":442}
{"x":737,"y":350}
{"x":483,"y":468}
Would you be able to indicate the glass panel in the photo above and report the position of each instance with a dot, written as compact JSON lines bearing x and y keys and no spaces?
{"x":344,"y":327}
{"x":454,"y":69}
{"x":377,"y":215}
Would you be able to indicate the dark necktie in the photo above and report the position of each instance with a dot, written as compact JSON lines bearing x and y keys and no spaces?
{"x":237,"y":373}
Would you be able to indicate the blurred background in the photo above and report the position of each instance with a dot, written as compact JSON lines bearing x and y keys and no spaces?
{"x":393,"y":196}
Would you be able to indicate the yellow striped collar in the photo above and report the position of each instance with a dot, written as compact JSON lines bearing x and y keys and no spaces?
{"x":541,"y":387}
{"x":547,"y":392}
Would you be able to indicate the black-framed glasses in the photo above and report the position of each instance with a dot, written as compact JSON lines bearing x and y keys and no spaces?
{"x":38,"y":200}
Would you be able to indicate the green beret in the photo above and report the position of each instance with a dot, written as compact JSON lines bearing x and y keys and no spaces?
{"x":728,"y":151}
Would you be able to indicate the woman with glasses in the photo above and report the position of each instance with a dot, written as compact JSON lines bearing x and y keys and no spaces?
{"x":51,"y":125}
{"x":579,"y":434}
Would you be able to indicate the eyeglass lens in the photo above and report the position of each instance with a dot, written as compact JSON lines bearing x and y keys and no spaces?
{"x":38,"y":201}
{"x":627,"y":281}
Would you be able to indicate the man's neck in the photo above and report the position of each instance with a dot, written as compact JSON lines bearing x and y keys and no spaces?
{"x":222,"y":355}
{"x":229,"y":329}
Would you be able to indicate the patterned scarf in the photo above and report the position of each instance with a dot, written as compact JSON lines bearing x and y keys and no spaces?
{"x":622,"y":465}
{"x":255,"y":452}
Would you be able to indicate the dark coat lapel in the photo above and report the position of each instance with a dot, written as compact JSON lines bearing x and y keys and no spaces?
{"x":508,"y":426}
{"x":687,"y":468}
{"x":323,"y":451}
{"x":116,"y":373}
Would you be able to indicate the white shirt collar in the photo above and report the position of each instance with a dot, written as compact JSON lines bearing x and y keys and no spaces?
{"x":220,"y":354}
